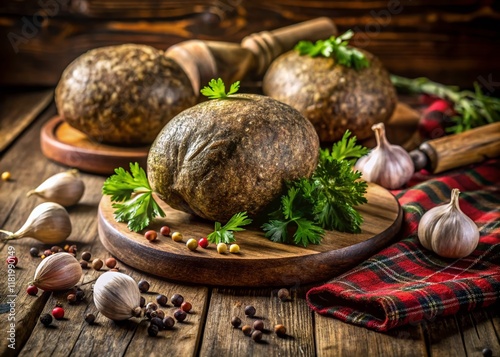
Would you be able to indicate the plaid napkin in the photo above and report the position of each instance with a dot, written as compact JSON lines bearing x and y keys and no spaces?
{"x":405,"y":283}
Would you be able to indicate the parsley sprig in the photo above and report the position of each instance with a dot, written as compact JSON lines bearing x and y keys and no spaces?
{"x":216,"y":89}
{"x":132,"y":197}
{"x":336,"y":47}
{"x":225,"y":234}
{"x":326,"y":200}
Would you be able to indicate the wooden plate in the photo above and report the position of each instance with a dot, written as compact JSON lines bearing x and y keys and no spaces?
{"x":68,"y":146}
{"x":261,"y":262}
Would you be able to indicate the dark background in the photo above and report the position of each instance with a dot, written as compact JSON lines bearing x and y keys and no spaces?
{"x":454,"y":41}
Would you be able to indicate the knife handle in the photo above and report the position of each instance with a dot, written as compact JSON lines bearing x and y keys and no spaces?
{"x":462,"y":149}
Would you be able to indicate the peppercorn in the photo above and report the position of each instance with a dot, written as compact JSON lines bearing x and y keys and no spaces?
{"x":56,"y":249}
{"x":47,"y":252}
{"x":6,"y":176}
{"x":59,"y":303}
{"x":247,"y":330}
{"x":66,"y":247}
{"x":97,"y":264}
{"x":43,"y":256}
{"x":236,"y":321}
{"x":165,"y":230}
{"x":153,"y":330}
{"x":258,"y":325}
{"x":487,"y":352}
{"x":84,"y":264}
{"x":90,"y":319}
{"x":250,"y":311}
{"x":158,"y":322}
{"x":143,"y":286}
{"x":142,"y":302}
{"x":162,"y":300}
{"x":180,"y":315}
{"x":160,"y":314}
{"x":73,"y":249}
{"x":110,"y":262}
{"x":152,"y":306}
{"x":222,"y":248}
{"x":34,"y":252}
{"x":71,"y":298}
{"x":86,"y":256}
{"x":203,"y":242}
{"x":46,"y":319}
{"x":192,"y":244}
{"x":186,"y":306}
{"x":151,"y":235}
{"x":32,"y":290}
{"x":177,"y":300}
{"x":283,"y":294}
{"x":149,"y":313}
{"x":257,"y":335}
{"x":168,"y":323}
{"x":58,"y":313}
{"x":177,"y":237}
{"x":280,"y":330}
{"x":234,"y":248}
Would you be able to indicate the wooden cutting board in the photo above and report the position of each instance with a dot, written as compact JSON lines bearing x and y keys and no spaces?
{"x":260,"y":262}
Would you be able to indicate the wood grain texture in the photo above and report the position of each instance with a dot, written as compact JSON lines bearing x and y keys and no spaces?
{"x":271,"y":263}
{"x":68,"y":146}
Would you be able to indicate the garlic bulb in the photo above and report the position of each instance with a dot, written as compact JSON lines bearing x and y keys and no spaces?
{"x":65,"y":188}
{"x":49,"y":222}
{"x":60,"y":271}
{"x":448,"y":231}
{"x":117,"y":296}
{"x":388,"y":165}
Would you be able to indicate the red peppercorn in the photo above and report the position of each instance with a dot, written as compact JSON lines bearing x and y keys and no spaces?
{"x":203,"y":242}
{"x":12,"y":259}
{"x":186,"y":306}
{"x":110,"y":262}
{"x":58,"y":313}
{"x":151,"y":235}
{"x":165,"y":230}
{"x":32,"y":290}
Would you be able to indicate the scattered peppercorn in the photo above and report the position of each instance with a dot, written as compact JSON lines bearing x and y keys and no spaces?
{"x":177,"y":237}
{"x":165,"y":230}
{"x":71,"y":298}
{"x":86,"y":256}
{"x":247,"y":330}
{"x":280,"y":330}
{"x":186,"y":306}
{"x":59,"y":303}
{"x":47,"y":252}
{"x":6,"y":176}
{"x":143,"y":286}
{"x":97,"y":264}
{"x":84,"y":264}
{"x":153,"y":330}
{"x":90,"y":319}
{"x":236,"y":321}
{"x":222,"y":248}
{"x":203,"y":242}
{"x":487,"y":352}
{"x":73,"y":249}
{"x":192,"y":244}
{"x":177,"y":300}
{"x":80,"y":295}
{"x":12,"y":259}
{"x":258,"y":325}
{"x":34,"y":252}
{"x":283,"y":294}
{"x":180,"y":315}
{"x":234,"y":248}
{"x":257,"y":335}
{"x":162,"y":300}
{"x":110,"y":262}
{"x":142,"y":302}
{"x":66,"y":247}
{"x":43,"y":256}
{"x":151,"y":235}
{"x":158,"y":322}
{"x":160,"y":314}
{"x":46,"y":319}
{"x":152,"y":306}
{"x":32,"y":290}
{"x":58,"y":313}
{"x":56,"y":249}
{"x":149,"y":314}
{"x":250,"y":311}
{"x":168,"y":323}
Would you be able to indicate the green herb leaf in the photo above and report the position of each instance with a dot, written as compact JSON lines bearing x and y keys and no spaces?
{"x":345,"y":149}
{"x":225,"y":234}
{"x":216,"y":89}
{"x":336,"y":47}
{"x":132,"y":197}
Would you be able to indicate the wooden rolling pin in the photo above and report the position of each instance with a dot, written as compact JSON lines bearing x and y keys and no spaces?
{"x":458,"y":150}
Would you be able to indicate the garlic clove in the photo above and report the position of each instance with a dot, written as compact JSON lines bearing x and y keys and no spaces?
{"x":49,"y":223}
{"x":388,"y":165}
{"x":448,"y":231}
{"x":60,"y":271}
{"x":117,"y":296}
{"x":65,"y":188}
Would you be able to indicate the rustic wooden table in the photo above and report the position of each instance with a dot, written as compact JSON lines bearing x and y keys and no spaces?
{"x":207,"y":330}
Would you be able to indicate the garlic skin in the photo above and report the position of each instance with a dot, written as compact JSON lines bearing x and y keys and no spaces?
{"x":388,"y":165}
{"x":60,"y":271}
{"x":117,"y":296}
{"x":65,"y":188}
{"x":448,"y":231}
{"x":49,"y":223}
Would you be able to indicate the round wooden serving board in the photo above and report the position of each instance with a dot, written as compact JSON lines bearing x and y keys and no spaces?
{"x":261,"y":261}
{"x":64,"y":144}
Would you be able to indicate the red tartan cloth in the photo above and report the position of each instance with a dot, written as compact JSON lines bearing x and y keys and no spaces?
{"x":405,"y":283}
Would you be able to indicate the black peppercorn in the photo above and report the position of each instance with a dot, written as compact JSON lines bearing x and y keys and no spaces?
{"x":247,"y":330}
{"x":257,"y":335}
{"x":162,"y":300}
{"x":250,"y":310}
{"x":152,"y":306}
{"x":177,"y":300}
{"x":160,"y":314}
{"x":236,"y":321}
{"x":143,"y":286}
{"x":258,"y":325}
{"x":142,"y":302}
{"x":56,"y":249}
{"x":46,"y":319}
{"x":158,"y":322}
{"x":487,"y":352}
{"x":168,"y":323}
{"x":153,"y":330}
{"x":34,"y":252}
{"x":86,"y":256}
{"x":180,"y":315}
{"x":149,"y":314}
{"x":283,"y":294}
{"x":80,"y":295}
{"x":84,"y":264}
{"x":90,"y":319}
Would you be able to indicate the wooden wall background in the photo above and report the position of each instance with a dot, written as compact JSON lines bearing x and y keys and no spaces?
{"x":452,"y":41}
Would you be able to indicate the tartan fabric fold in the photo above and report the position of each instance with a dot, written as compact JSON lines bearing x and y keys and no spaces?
{"x":405,"y":283}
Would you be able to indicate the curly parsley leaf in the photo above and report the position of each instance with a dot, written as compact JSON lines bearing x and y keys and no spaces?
{"x":216,"y":89}
{"x":132,"y":197}
{"x":335,"y":47}
{"x":225,"y":234}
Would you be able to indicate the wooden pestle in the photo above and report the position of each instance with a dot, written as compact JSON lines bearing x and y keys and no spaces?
{"x":204,"y":60}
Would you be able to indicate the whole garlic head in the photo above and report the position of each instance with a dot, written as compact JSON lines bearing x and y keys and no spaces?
{"x":388,"y":165}
{"x":448,"y":231}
